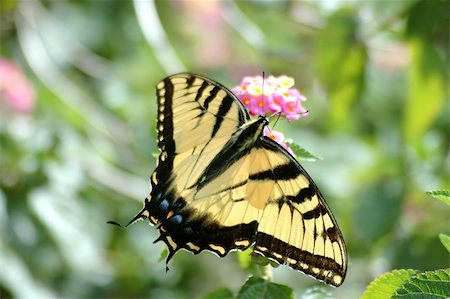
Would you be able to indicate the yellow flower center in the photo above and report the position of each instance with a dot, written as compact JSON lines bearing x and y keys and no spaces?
{"x":290,"y":108}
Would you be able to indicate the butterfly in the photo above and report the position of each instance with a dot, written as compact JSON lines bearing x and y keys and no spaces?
{"x":221,"y":185}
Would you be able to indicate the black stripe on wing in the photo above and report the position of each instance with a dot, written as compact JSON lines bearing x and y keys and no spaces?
{"x":224,"y":108}
{"x":318,"y":266}
{"x":243,"y":116}
{"x":281,"y":172}
{"x":304,"y":194}
{"x":212,"y":96}
{"x":165,"y":121}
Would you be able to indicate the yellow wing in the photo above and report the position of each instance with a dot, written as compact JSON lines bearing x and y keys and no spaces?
{"x":220,"y":185}
{"x":196,"y":117}
{"x":295,"y":225}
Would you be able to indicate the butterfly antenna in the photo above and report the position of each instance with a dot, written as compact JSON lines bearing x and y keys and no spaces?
{"x":262,"y":88}
{"x":262,"y":98}
{"x":278,"y":118}
{"x":279,"y":114}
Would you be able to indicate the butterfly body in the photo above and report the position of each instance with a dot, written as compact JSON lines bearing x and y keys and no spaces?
{"x":221,"y":185}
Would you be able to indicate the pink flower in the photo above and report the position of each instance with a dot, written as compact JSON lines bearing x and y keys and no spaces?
{"x":258,"y":105}
{"x":277,"y":103}
{"x":278,"y":137}
{"x":274,"y":95}
{"x":292,"y":105}
{"x":15,"y":89}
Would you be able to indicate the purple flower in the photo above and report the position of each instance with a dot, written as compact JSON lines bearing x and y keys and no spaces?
{"x":15,"y":89}
{"x":279,"y":96}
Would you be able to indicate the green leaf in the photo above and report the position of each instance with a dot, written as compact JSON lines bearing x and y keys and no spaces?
{"x":222,"y":293}
{"x":427,"y":89}
{"x":443,"y":195}
{"x":301,"y":153}
{"x":263,"y":261}
{"x":445,"y":240}
{"x":258,"y":288}
{"x":163,"y":255}
{"x":245,"y":258}
{"x":430,"y":284}
{"x":384,"y":286}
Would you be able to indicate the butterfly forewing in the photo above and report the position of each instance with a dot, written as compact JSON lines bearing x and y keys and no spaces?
{"x":221,"y":185}
{"x":192,"y":112}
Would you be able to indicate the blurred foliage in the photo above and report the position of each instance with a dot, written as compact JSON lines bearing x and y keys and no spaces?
{"x":376,"y":77}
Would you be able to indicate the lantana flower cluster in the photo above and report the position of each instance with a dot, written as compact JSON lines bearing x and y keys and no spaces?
{"x":275,"y":95}
{"x":279,"y":96}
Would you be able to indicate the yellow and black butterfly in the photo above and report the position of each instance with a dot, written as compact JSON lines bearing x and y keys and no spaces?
{"x":221,"y":185}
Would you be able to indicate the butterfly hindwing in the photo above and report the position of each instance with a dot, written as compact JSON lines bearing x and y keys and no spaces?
{"x":297,"y":227}
{"x":220,"y":185}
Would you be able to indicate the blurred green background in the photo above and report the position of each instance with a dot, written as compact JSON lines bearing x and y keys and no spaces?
{"x":77,"y":133}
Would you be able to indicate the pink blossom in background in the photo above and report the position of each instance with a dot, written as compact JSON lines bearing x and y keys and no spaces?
{"x":278,"y":137}
{"x":279,"y":96}
{"x":208,"y":33}
{"x":15,"y":89}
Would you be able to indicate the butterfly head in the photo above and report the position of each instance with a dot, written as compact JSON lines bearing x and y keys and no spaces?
{"x":264,"y":120}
